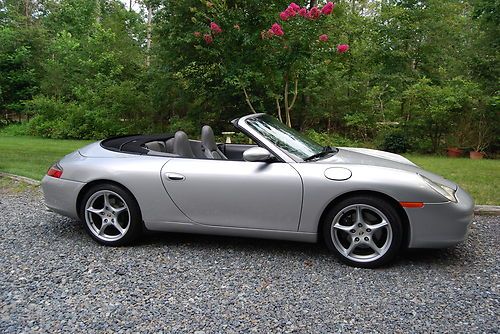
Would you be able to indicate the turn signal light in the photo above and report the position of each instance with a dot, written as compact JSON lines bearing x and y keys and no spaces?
{"x":412,"y":204}
{"x":55,"y":171}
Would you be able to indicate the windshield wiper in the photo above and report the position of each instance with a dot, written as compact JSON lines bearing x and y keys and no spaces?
{"x":326,"y":150}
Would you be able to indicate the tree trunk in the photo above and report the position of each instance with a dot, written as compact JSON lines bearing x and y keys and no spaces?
{"x":148,"y":35}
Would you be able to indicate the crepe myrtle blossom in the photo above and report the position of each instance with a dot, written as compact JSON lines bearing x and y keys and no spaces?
{"x":303,"y":12}
{"x":328,"y":8}
{"x":323,"y":38}
{"x":208,"y":38}
{"x":197,"y":34}
{"x":294,"y":6}
{"x":341,"y":48}
{"x":313,"y":13}
{"x":276,"y":30}
{"x":284,"y":16}
{"x":215,"y":28}
{"x":290,"y":11}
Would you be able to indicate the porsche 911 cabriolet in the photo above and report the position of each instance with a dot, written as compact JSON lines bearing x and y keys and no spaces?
{"x":366,"y":205}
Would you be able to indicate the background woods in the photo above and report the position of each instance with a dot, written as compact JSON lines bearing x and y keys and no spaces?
{"x":401,"y":75}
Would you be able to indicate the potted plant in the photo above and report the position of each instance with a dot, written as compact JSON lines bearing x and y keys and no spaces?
{"x":481,"y":137}
{"x":454,"y":152}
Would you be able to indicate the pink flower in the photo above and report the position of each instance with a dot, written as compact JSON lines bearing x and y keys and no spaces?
{"x":208,"y":38}
{"x":314,"y":13}
{"x":323,"y":38}
{"x":197,"y":34}
{"x":303,"y":12}
{"x":290,"y":12}
{"x":294,"y":6}
{"x":277,"y":30}
{"x":341,"y":48}
{"x":215,"y":28}
{"x":328,"y":8}
{"x":284,"y":16}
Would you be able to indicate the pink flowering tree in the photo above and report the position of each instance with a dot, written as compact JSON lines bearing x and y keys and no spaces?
{"x":300,"y":40}
{"x":269,"y":62}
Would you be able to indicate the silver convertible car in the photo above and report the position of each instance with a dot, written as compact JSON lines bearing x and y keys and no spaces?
{"x":365,"y":204}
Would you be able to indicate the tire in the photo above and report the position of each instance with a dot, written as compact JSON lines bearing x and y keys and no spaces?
{"x":370,"y":242}
{"x":111,"y":215}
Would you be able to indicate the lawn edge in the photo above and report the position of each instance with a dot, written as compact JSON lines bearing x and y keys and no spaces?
{"x":480,"y":210}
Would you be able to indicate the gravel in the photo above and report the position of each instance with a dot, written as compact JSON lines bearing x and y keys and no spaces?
{"x":54,"y":278}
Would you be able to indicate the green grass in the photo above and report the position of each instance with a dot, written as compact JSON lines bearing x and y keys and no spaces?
{"x":479,"y":177}
{"x":31,"y":157}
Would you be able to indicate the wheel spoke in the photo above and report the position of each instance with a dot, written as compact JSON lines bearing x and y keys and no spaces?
{"x":373,"y":246}
{"x":119,"y":210}
{"x":379,"y":225}
{"x":343,"y":227}
{"x":94,"y":210}
{"x":359,"y":214}
{"x":103,"y":227}
{"x":118,"y":227}
{"x":106,"y":200}
{"x":351,"y":247}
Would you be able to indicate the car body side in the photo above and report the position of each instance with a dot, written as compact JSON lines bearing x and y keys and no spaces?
{"x":439,"y":223}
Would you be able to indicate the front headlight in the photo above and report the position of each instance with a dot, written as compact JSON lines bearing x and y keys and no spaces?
{"x":445,"y":191}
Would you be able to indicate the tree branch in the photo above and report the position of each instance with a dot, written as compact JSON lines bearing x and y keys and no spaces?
{"x":247,"y":99}
{"x":279,"y":110}
{"x":295,"y":91}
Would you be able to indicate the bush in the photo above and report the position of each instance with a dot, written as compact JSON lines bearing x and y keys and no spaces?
{"x":395,"y":142}
{"x":333,"y":140}
{"x":15,"y":129}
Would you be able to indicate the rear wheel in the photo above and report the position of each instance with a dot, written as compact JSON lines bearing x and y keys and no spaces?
{"x":111,"y":215}
{"x":363,"y":231}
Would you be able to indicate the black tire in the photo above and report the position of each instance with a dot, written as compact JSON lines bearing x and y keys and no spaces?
{"x":339,"y":240}
{"x":129,"y":219}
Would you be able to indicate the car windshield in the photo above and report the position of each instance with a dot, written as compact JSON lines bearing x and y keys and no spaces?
{"x":287,"y":139}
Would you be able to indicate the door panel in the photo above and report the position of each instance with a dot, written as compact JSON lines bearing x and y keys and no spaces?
{"x":235,"y":193}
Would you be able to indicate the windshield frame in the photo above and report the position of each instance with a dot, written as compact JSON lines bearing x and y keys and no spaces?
{"x":280,"y":153}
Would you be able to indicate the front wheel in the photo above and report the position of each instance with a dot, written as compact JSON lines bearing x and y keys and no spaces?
{"x":363,"y":231}
{"x":111,"y":215}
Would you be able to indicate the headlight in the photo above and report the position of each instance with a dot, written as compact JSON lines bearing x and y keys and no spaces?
{"x":445,"y":191}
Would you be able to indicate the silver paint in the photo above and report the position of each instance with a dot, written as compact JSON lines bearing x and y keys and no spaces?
{"x":279,"y":200}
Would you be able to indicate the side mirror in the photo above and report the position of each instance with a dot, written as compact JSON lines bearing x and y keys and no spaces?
{"x":257,"y":154}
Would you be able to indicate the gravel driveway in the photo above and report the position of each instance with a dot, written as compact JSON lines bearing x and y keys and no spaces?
{"x":54,"y":278}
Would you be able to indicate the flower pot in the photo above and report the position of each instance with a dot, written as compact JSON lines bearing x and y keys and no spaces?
{"x":475,"y":155}
{"x":454,"y":152}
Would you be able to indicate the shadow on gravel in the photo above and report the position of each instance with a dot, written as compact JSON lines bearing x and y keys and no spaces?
{"x":73,"y":231}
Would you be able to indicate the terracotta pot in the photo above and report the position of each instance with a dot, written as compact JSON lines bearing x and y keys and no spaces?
{"x":475,"y":155}
{"x":454,"y":152}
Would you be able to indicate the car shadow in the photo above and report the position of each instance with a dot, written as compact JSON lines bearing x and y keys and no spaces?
{"x":73,"y":230}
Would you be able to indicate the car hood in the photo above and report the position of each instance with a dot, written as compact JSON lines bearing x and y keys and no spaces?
{"x":365,"y":156}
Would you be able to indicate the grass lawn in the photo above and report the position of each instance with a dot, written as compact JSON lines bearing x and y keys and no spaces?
{"x":31,"y":157}
{"x":480,"y":178}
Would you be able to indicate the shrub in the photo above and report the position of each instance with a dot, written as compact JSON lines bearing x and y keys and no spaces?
{"x":395,"y":142}
{"x":333,"y":140}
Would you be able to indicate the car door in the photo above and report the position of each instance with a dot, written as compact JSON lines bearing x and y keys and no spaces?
{"x":241,"y":194}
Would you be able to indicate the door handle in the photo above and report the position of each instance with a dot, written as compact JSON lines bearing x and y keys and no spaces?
{"x":175,"y":177}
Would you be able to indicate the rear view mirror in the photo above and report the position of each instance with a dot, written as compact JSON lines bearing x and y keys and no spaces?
{"x":257,"y":154}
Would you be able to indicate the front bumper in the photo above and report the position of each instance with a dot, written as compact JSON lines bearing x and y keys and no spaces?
{"x":61,"y":195}
{"x":440,"y":225}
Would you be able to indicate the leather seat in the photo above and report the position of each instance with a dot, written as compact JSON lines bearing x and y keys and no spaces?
{"x":182,"y":146}
{"x":156,"y":146}
{"x":209,"y":146}
{"x":169,"y":145}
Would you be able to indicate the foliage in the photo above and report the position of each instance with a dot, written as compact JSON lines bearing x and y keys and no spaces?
{"x":396,"y":142}
{"x":85,"y":69}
